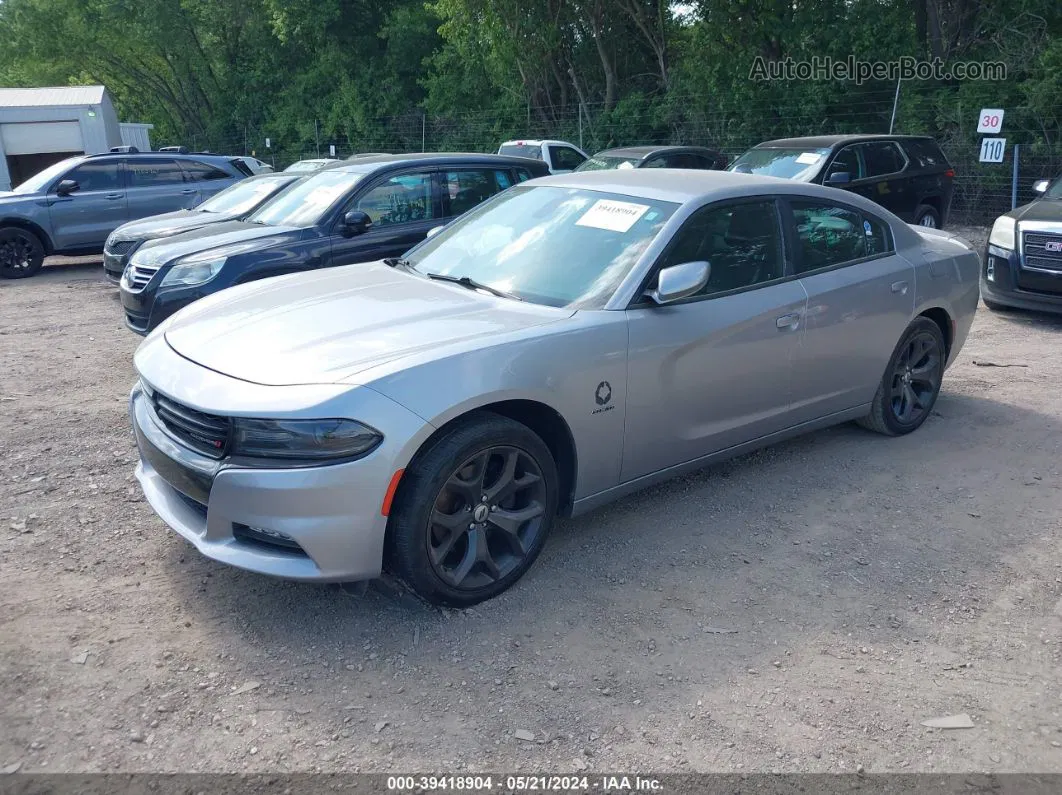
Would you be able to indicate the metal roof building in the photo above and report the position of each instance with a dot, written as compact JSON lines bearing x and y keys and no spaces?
{"x":41,"y":126}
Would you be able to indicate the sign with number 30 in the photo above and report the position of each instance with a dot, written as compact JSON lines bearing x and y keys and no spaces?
{"x":990,"y":120}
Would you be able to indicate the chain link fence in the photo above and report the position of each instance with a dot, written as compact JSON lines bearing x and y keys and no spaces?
{"x":982,"y":190}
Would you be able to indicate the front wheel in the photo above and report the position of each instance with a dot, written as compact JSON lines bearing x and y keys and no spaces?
{"x":21,"y":253}
{"x":911,"y":383}
{"x":473,"y":511}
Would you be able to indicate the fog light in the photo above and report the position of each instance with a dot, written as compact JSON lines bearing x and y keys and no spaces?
{"x":263,"y":535}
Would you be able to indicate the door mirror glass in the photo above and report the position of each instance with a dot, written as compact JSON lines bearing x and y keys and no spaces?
{"x":1040,"y":186}
{"x":66,"y":187}
{"x":356,"y":222}
{"x":434,"y":231}
{"x":839,"y":178}
{"x":680,"y":281}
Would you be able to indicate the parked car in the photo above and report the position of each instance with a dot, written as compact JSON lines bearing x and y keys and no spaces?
{"x":313,"y":164}
{"x":1023,"y":258}
{"x":356,"y":211}
{"x":560,"y":156}
{"x":71,"y":207}
{"x":233,"y":203}
{"x":563,"y":344}
{"x":256,"y":166}
{"x":655,"y":157}
{"x":907,"y":174}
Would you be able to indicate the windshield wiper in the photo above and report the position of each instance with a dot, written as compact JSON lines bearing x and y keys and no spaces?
{"x":472,"y":284}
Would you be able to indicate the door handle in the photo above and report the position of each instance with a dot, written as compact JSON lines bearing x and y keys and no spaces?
{"x":899,"y":287}
{"x":113,"y":196}
{"x":188,"y":191}
{"x":788,"y":322}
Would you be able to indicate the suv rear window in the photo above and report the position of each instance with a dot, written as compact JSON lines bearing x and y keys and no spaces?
{"x":203,"y":171}
{"x":926,"y":153}
{"x":521,"y":150}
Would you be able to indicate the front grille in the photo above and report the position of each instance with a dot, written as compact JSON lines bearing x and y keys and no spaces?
{"x":119,"y":248}
{"x":140,"y":275}
{"x":205,"y":433}
{"x":1042,"y":251}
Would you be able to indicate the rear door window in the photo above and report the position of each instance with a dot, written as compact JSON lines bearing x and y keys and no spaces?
{"x":152,"y":172}
{"x":829,"y":235}
{"x":463,"y":189}
{"x":925,"y":153}
{"x":882,"y":158}
{"x":204,"y":172}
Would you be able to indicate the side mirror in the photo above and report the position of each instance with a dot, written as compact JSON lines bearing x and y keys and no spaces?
{"x":680,"y":281}
{"x":356,"y":223}
{"x":839,"y":178}
{"x":434,"y":231}
{"x":1041,"y":185}
{"x":66,"y":187}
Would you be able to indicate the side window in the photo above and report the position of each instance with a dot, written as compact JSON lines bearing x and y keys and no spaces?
{"x":877,"y":233}
{"x":522,"y":175}
{"x":153,"y":172}
{"x":96,"y":176}
{"x":741,"y":242}
{"x":827,"y":235}
{"x":925,"y":153}
{"x":401,"y":199}
{"x":657,"y":162}
{"x":846,"y":160}
{"x":882,"y":158}
{"x":204,"y":172}
{"x":464,"y":189}
{"x":564,"y":157}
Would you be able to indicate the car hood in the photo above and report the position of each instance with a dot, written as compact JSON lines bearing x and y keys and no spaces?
{"x":166,"y":249}
{"x":327,"y":326}
{"x":1049,"y":210}
{"x":167,"y":224}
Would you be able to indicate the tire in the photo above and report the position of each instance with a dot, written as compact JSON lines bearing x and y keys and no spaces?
{"x":920,"y":352}
{"x":927,"y":216}
{"x":448,"y":544}
{"x":21,"y":253}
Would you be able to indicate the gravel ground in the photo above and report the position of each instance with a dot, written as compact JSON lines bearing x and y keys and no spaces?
{"x":804,"y":608}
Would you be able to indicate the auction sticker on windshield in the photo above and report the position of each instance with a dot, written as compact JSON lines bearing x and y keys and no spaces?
{"x":809,"y":158}
{"x":612,"y":215}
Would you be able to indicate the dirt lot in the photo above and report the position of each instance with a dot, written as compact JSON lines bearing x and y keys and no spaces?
{"x":800,"y":609}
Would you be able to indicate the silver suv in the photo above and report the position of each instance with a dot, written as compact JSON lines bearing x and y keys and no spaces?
{"x":72,"y":206}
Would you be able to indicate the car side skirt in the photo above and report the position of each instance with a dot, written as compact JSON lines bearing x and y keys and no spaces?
{"x":593,"y":501}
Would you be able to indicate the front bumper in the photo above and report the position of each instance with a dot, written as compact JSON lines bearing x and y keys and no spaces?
{"x":316,"y":523}
{"x":146,"y":309}
{"x":1010,"y":284}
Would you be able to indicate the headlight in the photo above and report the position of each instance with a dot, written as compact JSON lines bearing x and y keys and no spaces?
{"x":1003,"y":232}
{"x":189,"y":272}
{"x":312,"y":440}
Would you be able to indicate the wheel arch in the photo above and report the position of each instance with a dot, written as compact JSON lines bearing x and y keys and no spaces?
{"x":545,"y":421}
{"x":30,"y":226}
{"x":945,"y":323}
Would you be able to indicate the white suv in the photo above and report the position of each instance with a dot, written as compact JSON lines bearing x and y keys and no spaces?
{"x":560,"y":156}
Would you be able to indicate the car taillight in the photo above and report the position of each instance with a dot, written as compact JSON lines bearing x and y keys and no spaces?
{"x":950,"y":172}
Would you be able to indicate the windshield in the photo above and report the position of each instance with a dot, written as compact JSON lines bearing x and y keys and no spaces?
{"x":242,"y":197}
{"x":41,"y":179}
{"x":797,"y":164}
{"x":521,"y":150}
{"x":307,"y":202}
{"x":605,"y":162}
{"x":561,"y":247}
{"x":307,"y":165}
{"x":1054,"y":190}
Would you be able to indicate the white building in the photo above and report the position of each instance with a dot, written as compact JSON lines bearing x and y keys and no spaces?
{"x":41,"y":126}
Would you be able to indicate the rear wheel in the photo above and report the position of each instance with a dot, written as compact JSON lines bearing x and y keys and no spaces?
{"x":21,"y":253}
{"x":927,"y":216}
{"x":473,"y":511}
{"x":911,"y":383}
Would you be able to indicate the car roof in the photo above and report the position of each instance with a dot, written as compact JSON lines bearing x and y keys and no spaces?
{"x":202,"y":158}
{"x":377,"y":162}
{"x":537,"y":142}
{"x":644,"y":151}
{"x":680,"y":185}
{"x":830,"y":141}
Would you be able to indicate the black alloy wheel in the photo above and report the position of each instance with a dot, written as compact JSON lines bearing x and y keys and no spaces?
{"x":909,"y":389}
{"x":21,"y":253}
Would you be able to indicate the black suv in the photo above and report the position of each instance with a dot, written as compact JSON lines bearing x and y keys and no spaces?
{"x":359,"y":211}
{"x":1023,"y":262}
{"x":71,"y":207}
{"x":906,"y":174}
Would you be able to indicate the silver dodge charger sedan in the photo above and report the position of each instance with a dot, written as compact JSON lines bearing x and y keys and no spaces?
{"x":573,"y":339}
